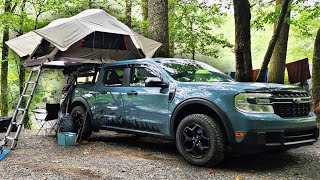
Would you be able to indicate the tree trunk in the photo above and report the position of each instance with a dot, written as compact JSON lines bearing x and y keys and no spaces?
{"x":128,"y":13}
{"x":193,"y":47}
{"x":316,"y":75}
{"x":242,"y":48}
{"x":273,"y":41}
{"x":279,"y":56}
{"x":22,"y":72}
{"x":89,"y":4}
{"x":4,"y":64}
{"x":158,"y":28}
{"x":171,"y":33}
{"x":144,"y":6}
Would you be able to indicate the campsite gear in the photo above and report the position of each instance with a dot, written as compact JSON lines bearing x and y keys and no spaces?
{"x":49,"y":114}
{"x":298,"y":71}
{"x":4,"y":124}
{"x":3,"y":152}
{"x":31,"y":82}
{"x":255,"y":73}
{"x":92,"y":36}
{"x":66,"y":124}
{"x":67,"y":138}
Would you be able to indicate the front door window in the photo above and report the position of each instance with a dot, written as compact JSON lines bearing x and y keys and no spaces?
{"x":139,"y":76}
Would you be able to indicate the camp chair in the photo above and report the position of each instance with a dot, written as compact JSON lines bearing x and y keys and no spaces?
{"x":45,"y":117}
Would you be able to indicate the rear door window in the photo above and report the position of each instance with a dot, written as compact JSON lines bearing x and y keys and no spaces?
{"x":114,"y":77}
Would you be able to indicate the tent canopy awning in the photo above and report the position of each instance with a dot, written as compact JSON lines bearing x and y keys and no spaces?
{"x":65,"y":32}
{"x":25,"y":44}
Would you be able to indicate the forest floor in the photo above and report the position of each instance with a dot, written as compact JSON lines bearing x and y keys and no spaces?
{"x":110,"y":155}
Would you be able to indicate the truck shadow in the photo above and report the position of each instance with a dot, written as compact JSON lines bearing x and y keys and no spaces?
{"x":262,"y":162}
{"x":148,"y":144}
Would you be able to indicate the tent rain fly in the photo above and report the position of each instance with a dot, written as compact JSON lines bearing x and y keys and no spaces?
{"x":92,"y":36}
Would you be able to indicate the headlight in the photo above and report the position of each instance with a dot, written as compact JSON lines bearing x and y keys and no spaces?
{"x":254,"y":103}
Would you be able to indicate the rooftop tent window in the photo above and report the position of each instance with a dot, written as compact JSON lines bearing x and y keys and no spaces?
{"x":102,"y":40}
{"x":43,"y":49}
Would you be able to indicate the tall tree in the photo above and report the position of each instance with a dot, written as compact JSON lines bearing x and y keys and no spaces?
{"x":277,"y":64}
{"x":89,"y":4}
{"x":192,"y":32}
{"x":144,"y":7}
{"x":4,"y":61}
{"x":316,"y":75}
{"x":128,"y":13}
{"x":158,"y":27}
{"x":22,"y":73}
{"x":242,"y":17}
{"x":172,"y":27}
{"x":273,"y":41}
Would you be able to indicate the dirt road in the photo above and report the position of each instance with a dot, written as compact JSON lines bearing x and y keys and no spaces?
{"x":119,"y":156}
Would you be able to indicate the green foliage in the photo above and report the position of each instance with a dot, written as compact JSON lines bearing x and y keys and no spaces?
{"x":303,"y":22}
{"x":192,"y":28}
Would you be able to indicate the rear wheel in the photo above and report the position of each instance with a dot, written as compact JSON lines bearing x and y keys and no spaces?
{"x":199,"y":140}
{"x":82,"y":119}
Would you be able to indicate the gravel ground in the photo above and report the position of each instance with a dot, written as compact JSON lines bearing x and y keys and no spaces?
{"x":110,"y":155}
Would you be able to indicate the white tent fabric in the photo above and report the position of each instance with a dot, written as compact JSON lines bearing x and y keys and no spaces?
{"x":63,"y":33}
{"x":148,"y":46}
{"x":25,"y":44}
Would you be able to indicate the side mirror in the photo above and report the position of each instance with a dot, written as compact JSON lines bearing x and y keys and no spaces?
{"x":155,"y":82}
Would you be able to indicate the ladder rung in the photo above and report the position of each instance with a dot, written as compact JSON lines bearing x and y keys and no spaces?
{"x":12,"y":138}
{"x":36,"y":68}
{"x":16,"y":123}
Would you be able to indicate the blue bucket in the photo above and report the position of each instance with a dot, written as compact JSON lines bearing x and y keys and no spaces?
{"x":67,"y":138}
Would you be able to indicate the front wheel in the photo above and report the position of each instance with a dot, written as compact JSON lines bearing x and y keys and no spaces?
{"x":199,"y":140}
{"x":82,"y":119}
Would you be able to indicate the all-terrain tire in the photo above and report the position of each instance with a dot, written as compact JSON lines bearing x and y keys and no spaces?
{"x":211,"y":138}
{"x":80,"y":115}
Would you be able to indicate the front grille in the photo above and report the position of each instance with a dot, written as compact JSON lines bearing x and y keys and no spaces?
{"x":291,"y":104}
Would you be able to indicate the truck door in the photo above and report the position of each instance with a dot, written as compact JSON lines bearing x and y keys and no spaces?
{"x":146,"y":108}
{"x":107,"y":109}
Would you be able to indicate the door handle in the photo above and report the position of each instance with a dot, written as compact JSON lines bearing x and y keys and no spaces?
{"x":131,"y":93}
{"x":103,"y":92}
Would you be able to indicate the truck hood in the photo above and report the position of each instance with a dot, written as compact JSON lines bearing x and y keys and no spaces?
{"x":239,"y":87}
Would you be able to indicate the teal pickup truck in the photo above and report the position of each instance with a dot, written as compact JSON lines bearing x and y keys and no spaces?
{"x":204,"y":111}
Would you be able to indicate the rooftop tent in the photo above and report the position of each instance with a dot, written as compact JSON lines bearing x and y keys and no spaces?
{"x":92,"y":36}
{"x":25,"y":44}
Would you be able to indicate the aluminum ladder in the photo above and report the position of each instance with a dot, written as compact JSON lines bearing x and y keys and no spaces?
{"x":31,"y":82}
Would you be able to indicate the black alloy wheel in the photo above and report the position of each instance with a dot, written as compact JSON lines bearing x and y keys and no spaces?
{"x":200,"y":140}
{"x":195,"y":141}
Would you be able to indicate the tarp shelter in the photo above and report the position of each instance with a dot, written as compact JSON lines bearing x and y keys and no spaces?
{"x":92,"y":36}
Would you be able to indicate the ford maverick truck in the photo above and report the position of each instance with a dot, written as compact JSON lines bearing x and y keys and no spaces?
{"x":204,"y":111}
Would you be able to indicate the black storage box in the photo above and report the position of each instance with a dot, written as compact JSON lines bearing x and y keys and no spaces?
{"x":4,"y":124}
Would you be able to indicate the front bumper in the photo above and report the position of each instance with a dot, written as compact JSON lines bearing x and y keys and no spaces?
{"x":278,"y":139}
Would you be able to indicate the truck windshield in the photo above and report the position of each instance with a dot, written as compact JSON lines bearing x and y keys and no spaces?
{"x":192,"y":71}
